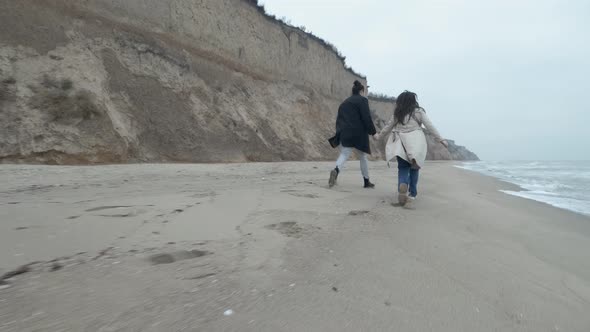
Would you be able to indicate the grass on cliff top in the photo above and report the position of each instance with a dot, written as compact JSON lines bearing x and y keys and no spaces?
{"x":381,"y":97}
{"x":283,"y":21}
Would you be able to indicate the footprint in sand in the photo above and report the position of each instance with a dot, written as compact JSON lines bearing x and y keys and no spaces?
{"x":119,"y":211}
{"x":304,"y":195}
{"x":169,"y":258}
{"x":292,"y":229}
{"x":204,"y":194}
{"x":108,"y":207}
{"x":358,"y":212}
{"x":202,"y":276}
{"x":290,"y":191}
{"x":121,"y":215}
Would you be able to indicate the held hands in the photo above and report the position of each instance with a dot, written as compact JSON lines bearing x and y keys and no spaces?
{"x":376,"y":137}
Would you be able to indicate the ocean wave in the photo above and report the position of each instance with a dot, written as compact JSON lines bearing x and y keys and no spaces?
{"x":571,"y":204}
{"x":562,"y":184}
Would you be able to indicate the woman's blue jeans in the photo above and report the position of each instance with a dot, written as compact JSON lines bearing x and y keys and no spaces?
{"x":407,"y":175}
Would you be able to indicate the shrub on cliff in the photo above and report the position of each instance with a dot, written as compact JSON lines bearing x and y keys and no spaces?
{"x":3,"y":92}
{"x":381,"y":97}
{"x":5,"y":88}
{"x":59,"y":99}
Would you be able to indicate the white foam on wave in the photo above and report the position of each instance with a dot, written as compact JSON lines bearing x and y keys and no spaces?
{"x":562,"y":184}
{"x":578,"y":206}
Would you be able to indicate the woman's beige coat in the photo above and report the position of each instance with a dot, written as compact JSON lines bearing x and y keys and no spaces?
{"x":407,"y":140}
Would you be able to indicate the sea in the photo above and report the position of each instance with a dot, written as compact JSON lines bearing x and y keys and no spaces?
{"x":564,"y":184}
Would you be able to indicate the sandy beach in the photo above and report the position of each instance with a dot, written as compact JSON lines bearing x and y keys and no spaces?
{"x":268,"y":247}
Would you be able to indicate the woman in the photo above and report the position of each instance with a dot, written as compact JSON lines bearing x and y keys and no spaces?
{"x":353,"y":127}
{"x":407,"y":143}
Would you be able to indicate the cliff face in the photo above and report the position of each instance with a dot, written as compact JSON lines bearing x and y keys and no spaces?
{"x":107,"y":81}
{"x":382,"y":111}
{"x":102,"y":81}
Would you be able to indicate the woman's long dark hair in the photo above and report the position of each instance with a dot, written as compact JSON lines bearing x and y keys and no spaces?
{"x":405,"y":104}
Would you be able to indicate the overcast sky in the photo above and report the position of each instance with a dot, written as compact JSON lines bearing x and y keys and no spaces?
{"x":510,"y":79}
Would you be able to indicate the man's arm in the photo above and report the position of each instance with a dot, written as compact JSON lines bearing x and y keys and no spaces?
{"x":366,"y":117}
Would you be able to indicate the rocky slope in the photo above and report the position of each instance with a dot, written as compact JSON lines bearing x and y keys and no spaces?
{"x":106,"y":81}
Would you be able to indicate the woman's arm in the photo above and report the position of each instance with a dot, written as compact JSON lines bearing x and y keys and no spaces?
{"x":425,"y":120}
{"x":387,"y":129}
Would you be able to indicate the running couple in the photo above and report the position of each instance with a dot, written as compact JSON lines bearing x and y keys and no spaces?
{"x":406,"y":143}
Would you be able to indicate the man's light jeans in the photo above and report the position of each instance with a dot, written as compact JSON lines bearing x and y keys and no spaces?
{"x":345,"y":154}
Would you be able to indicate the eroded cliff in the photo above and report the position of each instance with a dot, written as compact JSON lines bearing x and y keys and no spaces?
{"x":107,"y":81}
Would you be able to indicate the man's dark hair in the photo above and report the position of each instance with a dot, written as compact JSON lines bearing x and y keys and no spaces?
{"x":357,"y":87}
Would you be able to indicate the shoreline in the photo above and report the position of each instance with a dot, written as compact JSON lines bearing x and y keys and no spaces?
{"x":517,"y":189}
{"x":272,"y":243}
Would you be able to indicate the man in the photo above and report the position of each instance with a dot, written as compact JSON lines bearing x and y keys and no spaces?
{"x":353,"y":127}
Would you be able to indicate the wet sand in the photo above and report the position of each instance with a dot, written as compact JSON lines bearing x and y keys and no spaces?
{"x":268,"y":247}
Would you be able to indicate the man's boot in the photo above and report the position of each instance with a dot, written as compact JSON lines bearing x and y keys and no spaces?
{"x":333,"y":177}
{"x":368,"y":184}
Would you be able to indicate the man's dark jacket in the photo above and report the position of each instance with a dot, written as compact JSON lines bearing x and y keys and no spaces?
{"x":354,"y":124}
